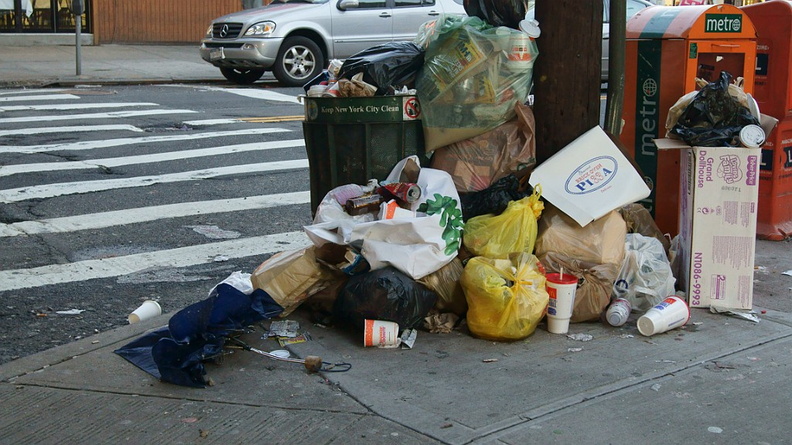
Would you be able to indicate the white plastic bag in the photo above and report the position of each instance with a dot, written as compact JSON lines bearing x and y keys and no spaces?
{"x":645,"y":278}
{"x":416,"y":246}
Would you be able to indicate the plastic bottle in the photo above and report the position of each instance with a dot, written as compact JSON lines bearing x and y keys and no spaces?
{"x":618,"y":312}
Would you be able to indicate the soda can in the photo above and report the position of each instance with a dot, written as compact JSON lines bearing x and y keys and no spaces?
{"x":404,"y":191}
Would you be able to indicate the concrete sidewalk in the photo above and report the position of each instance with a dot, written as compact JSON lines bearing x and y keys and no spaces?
{"x":720,"y":379}
{"x":717,"y":380}
{"x":44,"y":65}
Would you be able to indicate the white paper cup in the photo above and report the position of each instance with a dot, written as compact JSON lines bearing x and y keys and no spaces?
{"x":519,"y":51}
{"x":562,"y":299}
{"x":148,"y":309}
{"x":382,"y":334}
{"x":670,"y":313}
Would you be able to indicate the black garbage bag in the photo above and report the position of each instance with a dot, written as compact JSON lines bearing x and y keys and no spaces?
{"x":493,"y":199}
{"x":714,"y":117}
{"x":507,"y":13}
{"x":387,"y":67}
{"x":384,"y":294}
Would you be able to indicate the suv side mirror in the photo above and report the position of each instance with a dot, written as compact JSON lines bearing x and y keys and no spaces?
{"x":347,"y":4}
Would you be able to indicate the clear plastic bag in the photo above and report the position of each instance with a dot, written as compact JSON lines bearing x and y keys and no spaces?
{"x":645,"y":278}
{"x":514,"y":230}
{"x":506,"y":298}
{"x":470,"y":82}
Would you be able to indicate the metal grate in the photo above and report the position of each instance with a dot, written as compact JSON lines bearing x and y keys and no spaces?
{"x":226,"y":30}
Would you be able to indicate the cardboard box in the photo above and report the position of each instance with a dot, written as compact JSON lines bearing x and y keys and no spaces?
{"x":589,"y":177}
{"x":719,"y":189}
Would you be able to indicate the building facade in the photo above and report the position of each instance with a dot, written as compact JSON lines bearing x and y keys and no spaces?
{"x":146,"y":21}
{"x":118,"y":21}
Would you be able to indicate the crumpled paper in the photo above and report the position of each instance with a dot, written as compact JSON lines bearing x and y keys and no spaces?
{"x":441,"y":323}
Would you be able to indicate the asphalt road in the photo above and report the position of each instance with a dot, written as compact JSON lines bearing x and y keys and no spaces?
{"x":91,"y":184}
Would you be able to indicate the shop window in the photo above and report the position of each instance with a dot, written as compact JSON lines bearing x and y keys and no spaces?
{"x":41,"y":16}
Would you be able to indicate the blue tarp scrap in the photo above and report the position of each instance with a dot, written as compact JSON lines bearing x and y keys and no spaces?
{"x":176,"y":353}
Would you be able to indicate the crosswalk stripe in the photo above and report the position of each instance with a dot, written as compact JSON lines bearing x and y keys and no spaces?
{"x":211,"y":122}
{"x":86,"y":116}
{"x":42,"y":97}
{"x":69,"y":129}
{"x":8,"y":170}
{"x":253,"y":93}
{"x":129,"y":264}
{"x":107,"y":143}
{"x":50,"y":107}
{"x":136,"y":215}
{"x":71,"y":188}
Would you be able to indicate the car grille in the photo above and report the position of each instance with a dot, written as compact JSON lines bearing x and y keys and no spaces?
{"x":223,"y":45}
{"x":226,"y":30}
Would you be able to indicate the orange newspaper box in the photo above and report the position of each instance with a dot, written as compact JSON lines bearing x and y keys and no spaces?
{"x":773,"y":92}
{"x":667,"y":48}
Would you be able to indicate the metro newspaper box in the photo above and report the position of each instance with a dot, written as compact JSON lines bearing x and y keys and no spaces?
{"x":718,"y":205}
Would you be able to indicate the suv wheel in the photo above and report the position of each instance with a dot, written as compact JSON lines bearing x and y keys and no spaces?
{"x":299,"y":60}
{"x":242,"y":76}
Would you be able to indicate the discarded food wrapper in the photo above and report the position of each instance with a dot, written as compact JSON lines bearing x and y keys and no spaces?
{"x":284,"y":328}
{"x":589,"y":177}
{"x":746,"y":314}
{"x":71,"y":312}
{"x":392,"y":210}
{"x":302,"y":338}
{"x":408,"y":338}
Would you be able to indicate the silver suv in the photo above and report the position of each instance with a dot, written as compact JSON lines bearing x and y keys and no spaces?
{"x":295,"y":39}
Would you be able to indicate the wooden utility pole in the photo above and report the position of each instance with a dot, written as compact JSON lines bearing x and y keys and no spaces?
{"x":567,"y":72}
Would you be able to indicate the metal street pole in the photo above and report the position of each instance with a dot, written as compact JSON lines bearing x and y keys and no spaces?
{"x":77,"y":9}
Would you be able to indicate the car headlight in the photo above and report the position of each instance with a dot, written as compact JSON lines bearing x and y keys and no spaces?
{"x":261,"y":29}
{"x":208,"y":31}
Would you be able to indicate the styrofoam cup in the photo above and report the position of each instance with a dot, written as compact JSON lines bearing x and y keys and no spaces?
{"x":561,"y":289}
{"x":148,"y":309}
{"x":382,"y":334}
{"x":670,"y":313}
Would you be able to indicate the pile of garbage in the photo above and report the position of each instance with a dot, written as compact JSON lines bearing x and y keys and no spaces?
{"x":482,"y":238}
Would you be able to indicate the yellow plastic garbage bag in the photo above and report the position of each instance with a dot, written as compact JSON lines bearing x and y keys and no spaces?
{"x":514,"y":230}
{"x":506,"y":297}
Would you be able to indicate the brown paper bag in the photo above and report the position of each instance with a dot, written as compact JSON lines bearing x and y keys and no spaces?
{"x":594,"y":287}
{"x":445,"y":283}
{"x":290,"y":277}
{"x":600,"y":241}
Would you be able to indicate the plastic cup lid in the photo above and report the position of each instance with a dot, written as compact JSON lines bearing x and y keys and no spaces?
{"x":281,"y":353}
{"x":752,"y":136}
{"x":530,"y":27}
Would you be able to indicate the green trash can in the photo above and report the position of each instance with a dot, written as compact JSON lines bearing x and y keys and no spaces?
{"x":351,"y":140}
